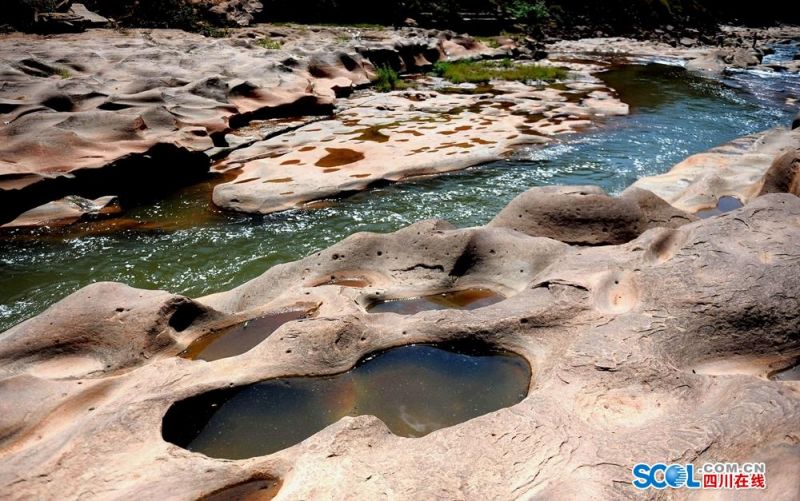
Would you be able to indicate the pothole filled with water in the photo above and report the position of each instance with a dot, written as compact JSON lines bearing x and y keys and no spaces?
{"x":240,"y":338}
{"x":414,"y":389}
{"x":791,"y":373}
{"x":467,"y":299}
{"x":724,"y":204}
{"x":252,"y":490}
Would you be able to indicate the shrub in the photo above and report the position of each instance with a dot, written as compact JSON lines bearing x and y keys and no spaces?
{"x":387,"y":79}
{"x":527,"y":12}
{"x":269,"y":44}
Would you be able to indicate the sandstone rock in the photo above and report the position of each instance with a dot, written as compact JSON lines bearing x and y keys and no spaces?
{"x":586,"y":215}
{"x":238,"y":12}
{"x":734,"y":169}
{"x":87,"y":17}
{"x":783,"y":175}
{"x":114,"y":107}
{"x":68,"y":210}
{"x":404,"y":134}
{"x":620,"y":367}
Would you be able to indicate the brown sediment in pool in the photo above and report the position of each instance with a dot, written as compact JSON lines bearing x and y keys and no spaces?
{"x":249,"y":179}
{"x":373,"y":134}
{"x":307,"y":148}
{"x":280,"y":180}
{"x":414,"y":390}
{"x":339,"y":156}
{"x":791,"y":373}
{"x":240,"y":338}
{"x":359,"y":176}
{"x":347,"y":281}
{"x":252,"y":490}
{"x":294,"y":161}
{"x":467,"y":299}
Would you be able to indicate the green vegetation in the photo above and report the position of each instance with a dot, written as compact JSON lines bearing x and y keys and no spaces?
{"x":269,"y":44}
{"x":388,"y":79}
{"x":64,"y":74}
{"x":210,"y":31}
{"x":484,"y":71}
{"x":527,"y":12}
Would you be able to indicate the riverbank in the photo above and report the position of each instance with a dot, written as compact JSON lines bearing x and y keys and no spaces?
{"x":240,"y":103}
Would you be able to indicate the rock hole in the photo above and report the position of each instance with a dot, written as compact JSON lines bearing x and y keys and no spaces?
{"x":414,"y":389}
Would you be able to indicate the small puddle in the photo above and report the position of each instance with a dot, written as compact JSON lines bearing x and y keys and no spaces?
{"x":339,"y":156}
{"x":791,"y":373}
{"x":724,"y":204}
{"x":414,"y":389}
{"x":253,"y":490}
{"x":350,"y":281}
{"x":467,"y":299}
{"x":372,"y":134}
{"x":238,"y":339}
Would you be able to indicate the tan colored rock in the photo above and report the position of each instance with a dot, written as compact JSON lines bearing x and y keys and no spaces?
{"x":586,"y":215}
{"x":734,"y":169}
{"x":630,"y":346}
{"x":783,"y":175}
{"x":91,"y":108}
{"x":240,"y":12}
{"x":405,"y":134}
{"x":64,"y":212}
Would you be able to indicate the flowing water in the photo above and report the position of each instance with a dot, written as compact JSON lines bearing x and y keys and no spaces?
{"x":182,"y":245}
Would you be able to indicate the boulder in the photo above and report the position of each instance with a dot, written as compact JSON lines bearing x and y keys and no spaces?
{"x":586,"y":215}
{"x":783,"y":176}
{"x":66,"y":211}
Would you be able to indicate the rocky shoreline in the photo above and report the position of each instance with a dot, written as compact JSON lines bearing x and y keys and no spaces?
{"x":87,"y":382}
{"x":223,"y":106}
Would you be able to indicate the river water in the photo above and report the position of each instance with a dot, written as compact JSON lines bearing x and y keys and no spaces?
{"x":183,"y":245}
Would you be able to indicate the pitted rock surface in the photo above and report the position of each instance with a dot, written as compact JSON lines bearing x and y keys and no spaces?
{"x":657,"y":349}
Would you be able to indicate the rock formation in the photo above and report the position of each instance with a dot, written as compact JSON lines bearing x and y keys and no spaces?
{"x":736,"y":169}
{"x":647,"y":350}
{"x":395,"y":136}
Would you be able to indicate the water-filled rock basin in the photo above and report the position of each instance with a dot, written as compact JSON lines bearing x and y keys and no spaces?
{"x":724,"y":204}
{"x":414,"y":390}
{"x":467,"y":299}
{"x":239,"y":338}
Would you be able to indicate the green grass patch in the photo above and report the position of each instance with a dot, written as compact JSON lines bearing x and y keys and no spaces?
{"x":483,"y":71}
{"x":211,"y":31}
{"x":269,"y":44}
{"x":64,"y":74}
{"x":388,"y":80}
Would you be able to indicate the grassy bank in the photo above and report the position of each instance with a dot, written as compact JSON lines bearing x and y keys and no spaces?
{"x":484,"y":71}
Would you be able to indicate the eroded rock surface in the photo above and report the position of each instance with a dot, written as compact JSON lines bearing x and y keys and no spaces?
{"x":737,"y":48}
{"x":64,"y":212}
{"x":657,"y":349}
{"x":736,"y":169}
{"x":82,"y":112}
{"x":433,"y":129}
